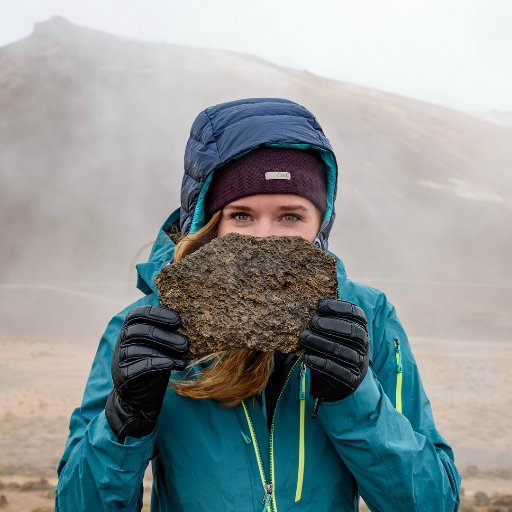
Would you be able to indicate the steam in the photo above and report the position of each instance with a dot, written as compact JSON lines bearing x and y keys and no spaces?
{"x":92,"y":135}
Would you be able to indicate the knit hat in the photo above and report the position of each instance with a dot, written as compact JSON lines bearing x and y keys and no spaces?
{"x":268,"y":170}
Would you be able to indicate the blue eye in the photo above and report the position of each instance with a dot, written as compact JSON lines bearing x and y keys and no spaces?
{"x":291,"y":217}
{"x":240,"y":216}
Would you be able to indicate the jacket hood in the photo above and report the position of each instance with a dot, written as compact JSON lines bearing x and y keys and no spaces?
{"x":230,"y":130}
{"x":227,"y":131}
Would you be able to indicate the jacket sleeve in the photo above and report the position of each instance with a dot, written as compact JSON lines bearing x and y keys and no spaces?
{"x":399,"y":460}
{"x":96,"y":472}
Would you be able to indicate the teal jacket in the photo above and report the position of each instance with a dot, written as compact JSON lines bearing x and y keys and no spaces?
{"x":381,"y":442}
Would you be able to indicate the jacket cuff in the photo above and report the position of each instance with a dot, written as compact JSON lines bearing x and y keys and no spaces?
{"x":131,"y":456}
{"x":347,"y":413}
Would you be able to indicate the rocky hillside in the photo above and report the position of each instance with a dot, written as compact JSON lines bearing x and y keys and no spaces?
{"x":92,"y":133}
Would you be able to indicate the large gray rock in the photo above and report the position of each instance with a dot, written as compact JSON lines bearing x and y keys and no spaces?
{"x":241,"y":291}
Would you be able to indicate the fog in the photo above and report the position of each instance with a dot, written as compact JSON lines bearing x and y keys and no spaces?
{"x":452,"y":52}
{"x":93,"y":131}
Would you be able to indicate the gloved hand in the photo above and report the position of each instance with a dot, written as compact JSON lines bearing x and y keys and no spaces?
{"x":147,"y":349}
{"x":336,"y":349}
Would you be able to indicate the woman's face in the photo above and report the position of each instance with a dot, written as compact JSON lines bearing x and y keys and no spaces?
{"x":271,"y":215}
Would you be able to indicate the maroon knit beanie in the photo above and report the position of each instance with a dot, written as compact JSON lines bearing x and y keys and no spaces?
{"x":268,"y":170}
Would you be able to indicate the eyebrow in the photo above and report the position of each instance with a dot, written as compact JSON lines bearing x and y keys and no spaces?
{"x":282,"y":208}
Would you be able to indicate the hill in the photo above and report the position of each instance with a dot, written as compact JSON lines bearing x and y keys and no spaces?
{"x":92,"y":134}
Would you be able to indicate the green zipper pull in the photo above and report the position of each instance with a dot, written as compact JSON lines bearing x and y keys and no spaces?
{"x":246,"y":438}
{"x":399,"y":371}
{"x":267,"y":497}
{"x":398,"y":356}
{"x":302,"y":387}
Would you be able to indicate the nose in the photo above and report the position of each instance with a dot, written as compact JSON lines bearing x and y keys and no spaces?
{"x":263,"y":229}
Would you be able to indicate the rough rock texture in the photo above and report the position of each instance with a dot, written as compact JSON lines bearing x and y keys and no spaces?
{"x":242,"y":291}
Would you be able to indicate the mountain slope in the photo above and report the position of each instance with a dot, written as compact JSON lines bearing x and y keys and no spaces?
{"x":92,"y":133}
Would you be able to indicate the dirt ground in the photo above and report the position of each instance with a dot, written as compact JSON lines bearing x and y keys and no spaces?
{"x":42,"y":380}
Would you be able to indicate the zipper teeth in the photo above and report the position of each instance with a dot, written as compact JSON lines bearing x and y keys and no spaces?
{"x":272,"y":433}
{"x":263,"y":476}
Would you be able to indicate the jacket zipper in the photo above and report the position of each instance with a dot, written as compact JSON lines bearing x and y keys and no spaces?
{"x":399,"y":374}
{"x":302,"y":415}
{"x":267,"y":486}
{"x":269,"y":497}
{"x":272,"y":475}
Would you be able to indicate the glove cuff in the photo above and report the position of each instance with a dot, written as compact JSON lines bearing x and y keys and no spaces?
{"x":126,"y":421}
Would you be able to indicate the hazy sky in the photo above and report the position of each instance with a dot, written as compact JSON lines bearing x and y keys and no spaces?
{"x":456,"y":53}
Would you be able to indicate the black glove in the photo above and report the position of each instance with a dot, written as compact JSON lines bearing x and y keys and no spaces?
{"x":147,"y":349}
{"x":336,"y":349}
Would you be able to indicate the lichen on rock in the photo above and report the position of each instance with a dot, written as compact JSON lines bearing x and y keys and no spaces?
{"x":242,"y":291}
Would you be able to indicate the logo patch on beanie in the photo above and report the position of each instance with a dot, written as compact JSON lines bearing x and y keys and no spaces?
{"x":278,"y":175}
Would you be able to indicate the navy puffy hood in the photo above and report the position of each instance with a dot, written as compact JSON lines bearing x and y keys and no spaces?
{"x":230,"y":130}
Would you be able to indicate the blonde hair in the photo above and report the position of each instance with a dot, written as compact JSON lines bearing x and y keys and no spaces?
{"x":232,"y":375}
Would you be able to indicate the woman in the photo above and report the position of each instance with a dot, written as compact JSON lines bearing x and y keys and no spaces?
{"x":239,"y":437}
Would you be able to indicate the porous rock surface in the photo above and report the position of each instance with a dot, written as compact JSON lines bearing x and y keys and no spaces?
{"x":242,"y":291}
